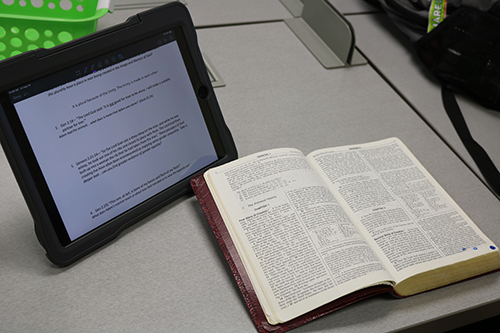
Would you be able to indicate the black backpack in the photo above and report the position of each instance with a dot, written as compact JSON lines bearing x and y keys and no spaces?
{"x":462,"y":51}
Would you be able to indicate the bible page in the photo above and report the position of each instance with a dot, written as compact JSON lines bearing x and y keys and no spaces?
{"x":405,"y":214}
{"x":298,"y":246}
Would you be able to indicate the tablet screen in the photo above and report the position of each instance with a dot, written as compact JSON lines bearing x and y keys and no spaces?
{"x":112,"y":132}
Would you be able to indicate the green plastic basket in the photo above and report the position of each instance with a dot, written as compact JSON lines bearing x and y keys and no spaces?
{"x":30,"y":24}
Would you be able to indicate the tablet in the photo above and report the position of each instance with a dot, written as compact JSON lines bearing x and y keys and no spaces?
{"x":106,"y":129}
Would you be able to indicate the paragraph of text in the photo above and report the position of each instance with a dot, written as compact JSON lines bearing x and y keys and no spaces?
{"x":124,"y":151}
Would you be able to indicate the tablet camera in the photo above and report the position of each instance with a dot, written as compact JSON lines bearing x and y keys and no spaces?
{"x":203,"y":92}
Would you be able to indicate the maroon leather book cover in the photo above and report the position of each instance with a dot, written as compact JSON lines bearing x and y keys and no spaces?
{"x":213,"y":216}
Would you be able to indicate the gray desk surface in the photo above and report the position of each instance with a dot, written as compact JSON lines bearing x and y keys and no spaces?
{"x":167,"y":273}
{"x":226,"y":12}
{"x":208,"y":13}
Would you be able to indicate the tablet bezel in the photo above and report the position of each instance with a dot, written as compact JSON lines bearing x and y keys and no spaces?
{"x":41,"y":63}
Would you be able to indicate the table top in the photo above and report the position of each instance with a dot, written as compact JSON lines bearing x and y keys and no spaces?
{"x":167,"y":273}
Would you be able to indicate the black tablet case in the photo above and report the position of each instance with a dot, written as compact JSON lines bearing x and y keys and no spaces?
{"x":36,"y":64}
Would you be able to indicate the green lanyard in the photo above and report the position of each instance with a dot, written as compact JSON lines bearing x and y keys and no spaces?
{"x":437,"y":13}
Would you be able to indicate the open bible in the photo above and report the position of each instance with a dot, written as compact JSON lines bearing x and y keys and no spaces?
{"x":306,"y":235}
